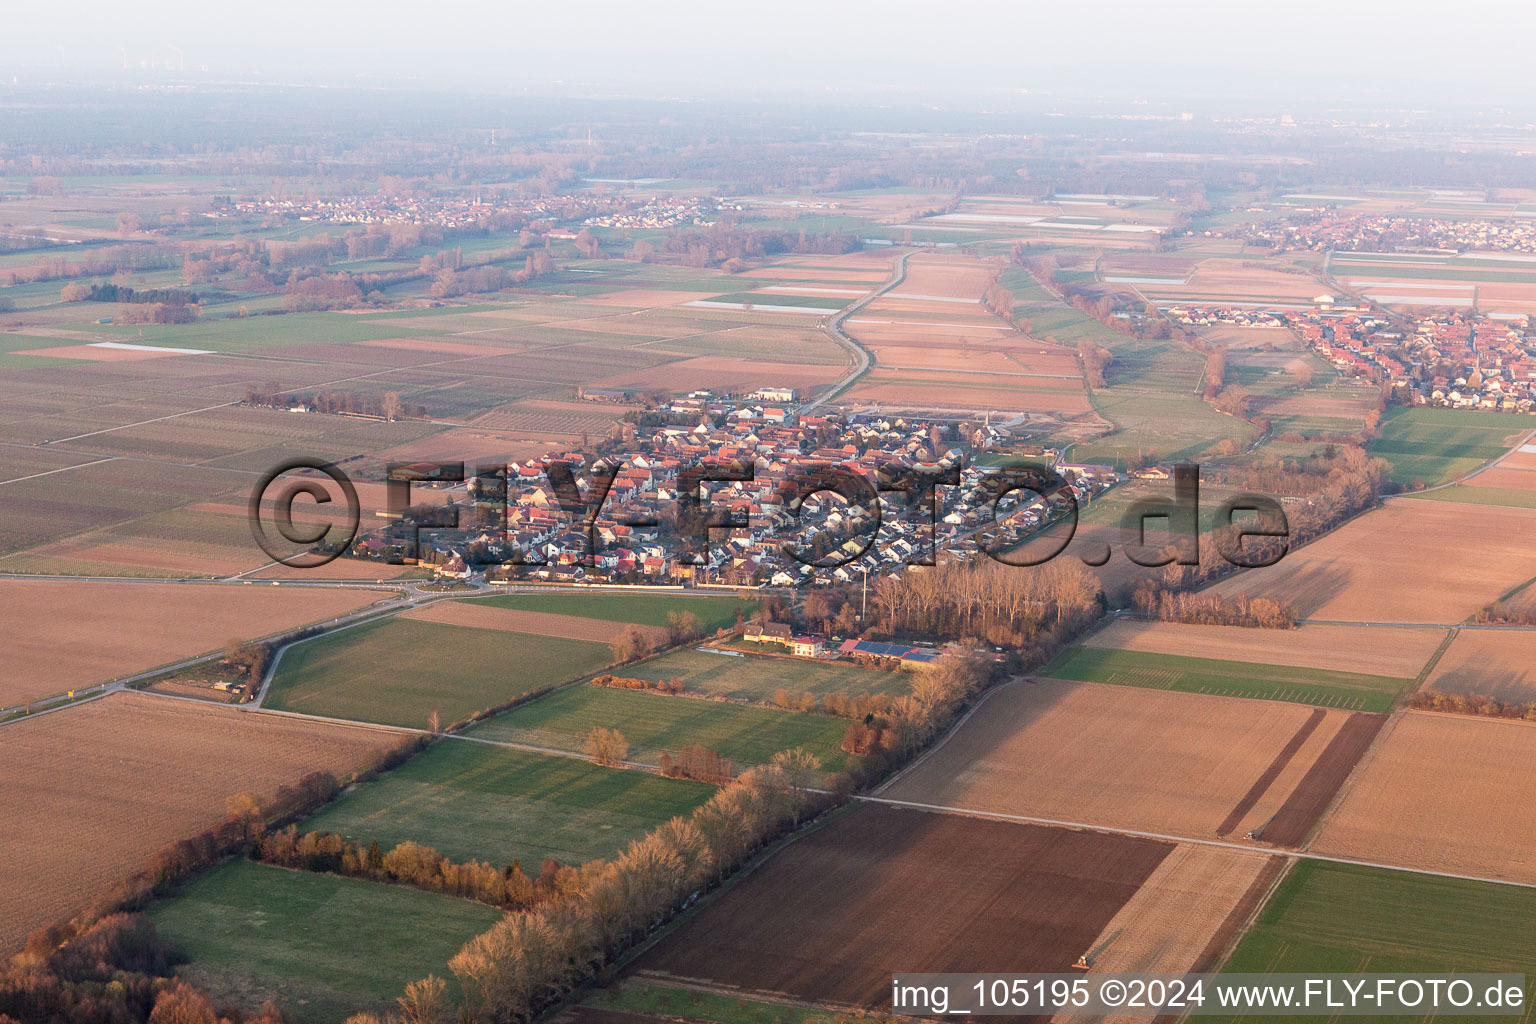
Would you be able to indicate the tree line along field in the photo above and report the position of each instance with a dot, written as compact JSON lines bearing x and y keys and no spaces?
{"x":1328,"y":917}
{"x":477,"y":801}
{"x":260,"y":932}
{"x":655,"y":723}
{"x":757,"y":678}
{"x":1322,"y":687}
{"x":399,"y":671}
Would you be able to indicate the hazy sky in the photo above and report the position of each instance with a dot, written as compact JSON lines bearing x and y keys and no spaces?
{"x":1418,"y":51}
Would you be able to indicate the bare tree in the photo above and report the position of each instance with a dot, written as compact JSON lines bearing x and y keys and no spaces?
{"x":607,"y":746}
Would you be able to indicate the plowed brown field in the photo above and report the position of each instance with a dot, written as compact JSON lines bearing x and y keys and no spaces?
{"x":832,"y":915}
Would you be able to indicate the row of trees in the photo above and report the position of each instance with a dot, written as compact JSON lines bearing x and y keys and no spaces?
{"x":668,"y":686}
{"x":1507,"y":613}
{"x":698,"y":762}
{"x":704,"y":247}
{"x":389,"y":406}
{"x":1096,"y":360}
{"x":80,"y":292}
{"x":412,"y":864}
{"x":155,"y":313}
{"x":1005,"y":605}
{"x":532,"y":958}
{"x":1213,"y":609}
{"x":1472,"y":704}
{"x":116,"y":970}
{"x":248,"y":658}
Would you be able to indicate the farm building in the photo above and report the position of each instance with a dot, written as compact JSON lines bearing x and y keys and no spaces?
{"x":906,"y":654}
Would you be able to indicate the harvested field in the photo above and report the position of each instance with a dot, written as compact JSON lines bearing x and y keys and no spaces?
{"x":879,"y":884}
{"x":141,"y":772}
{"x":1151,"y":760}
{"x":1293,"y":822}
{"x":1395,"y":652}
{"x":1495,"y":663}
{"x":1217,"y":279}
{"x":435,"y":345}
{"x":725,"y":374}
{"x":1355,"y":573}
{"x":550,"y":417}
{"x":1247,"y":339}
{"x":1442,"y":792}
{"x":901,"y":390}
{"x":481,"y":616}
{"x":473,"y":445}
{"x":67,"y":635}
{"x":1508,"y":477}
{"x":1182,"y":906}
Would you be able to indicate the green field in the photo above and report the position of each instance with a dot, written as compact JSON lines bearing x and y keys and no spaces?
{"x":1324,"y":688}
{"x":478,"y":801}
{"x":749,"y":678}
{"x":1347,"y":918}
{"x":1439,"y":445}
{"x":827,"y":302}
{"x":1505,"y":496}
{"x":323,"y":947}
{"x":642,"y":608}
{"x":1173,"y":426}
{"x":399,"y":671}
{"x":653,"y":723}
